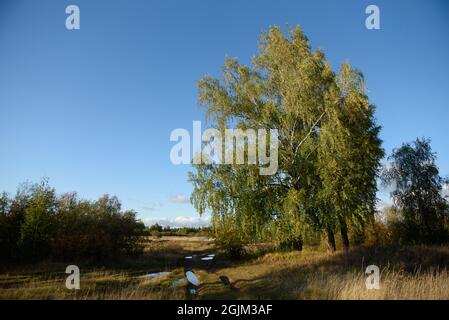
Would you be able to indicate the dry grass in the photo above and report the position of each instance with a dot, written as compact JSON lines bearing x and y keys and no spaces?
{"x":121,"y":280}
{"x":417,"y":272}
{"x":96,"y":285}
{"x":395,"y":285}
{"x":406,"y":273}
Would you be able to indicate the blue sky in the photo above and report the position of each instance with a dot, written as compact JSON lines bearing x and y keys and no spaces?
{"x":92,"y":109}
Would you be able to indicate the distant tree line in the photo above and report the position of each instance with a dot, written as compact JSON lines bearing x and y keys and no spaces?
{"x":38,"y":224}
{"x":329,"y":156}
{"x":156,"y":230}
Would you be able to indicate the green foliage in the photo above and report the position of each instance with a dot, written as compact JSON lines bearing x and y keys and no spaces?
{"x":290,"y":229}
{"x":329,"y":149}
{"x":95,"y":229}
{"x":38,"y":224}
{"x":9,"y":227}
{"x":38,"y":227}
{"x":157,"y":230}
{"x":155,"y":227}
{"x":420,"y":210}
{"x":349,"y":155}
{"x":12,"y":216}
{"x":229,"y":236}
{"x":156,"y":234}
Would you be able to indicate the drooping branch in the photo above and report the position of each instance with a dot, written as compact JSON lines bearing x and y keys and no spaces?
{"x":310,"y":132}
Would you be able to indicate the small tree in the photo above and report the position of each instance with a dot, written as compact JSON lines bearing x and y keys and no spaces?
{"x":228,"y":235}
{"x":418,"y":192}
{"x":38,"y":228}
{"x":156,"y":227}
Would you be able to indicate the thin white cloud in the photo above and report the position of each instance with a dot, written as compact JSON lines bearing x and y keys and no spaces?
{"x":146,"y":205}
{"x":179,"y":221}
{"x":179,"y":198}
{"x":147,"y":208}
{"x":151,"y":206}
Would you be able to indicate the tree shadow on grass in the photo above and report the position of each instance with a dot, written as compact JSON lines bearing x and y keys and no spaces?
{"x":293,"y":280}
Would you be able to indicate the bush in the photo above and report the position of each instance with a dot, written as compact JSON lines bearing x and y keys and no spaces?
{"x":377,"y":233}
{"x":38,"y":228}
{"x":228,"y":236}
{"x":37,"y":224}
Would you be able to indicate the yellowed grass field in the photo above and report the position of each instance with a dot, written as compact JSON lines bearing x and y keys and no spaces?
{"x":406,"y":273}
{"x":319,"y":275}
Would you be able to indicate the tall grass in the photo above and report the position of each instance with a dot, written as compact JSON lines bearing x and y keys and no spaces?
{"x":94,"y":286}
{"x":415,"y":272}
{"x":407,"y":272}
{"x":394,"y":285}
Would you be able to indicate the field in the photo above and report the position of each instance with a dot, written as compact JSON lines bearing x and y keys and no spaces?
{"x":417,"y":272}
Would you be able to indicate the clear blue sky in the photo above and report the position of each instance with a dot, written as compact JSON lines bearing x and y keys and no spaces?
{"x":92,"y":109}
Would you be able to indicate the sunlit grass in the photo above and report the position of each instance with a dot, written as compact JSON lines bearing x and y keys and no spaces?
{"x":415,"y":272}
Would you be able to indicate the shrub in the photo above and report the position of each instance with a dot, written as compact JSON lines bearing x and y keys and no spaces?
{"x":229,"y":236}
{"x":37,"y":224}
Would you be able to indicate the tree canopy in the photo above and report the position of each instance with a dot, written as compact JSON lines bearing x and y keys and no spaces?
{"x":417,"y":192}
{"x":329,"y":149}
{"x":39,"y":224}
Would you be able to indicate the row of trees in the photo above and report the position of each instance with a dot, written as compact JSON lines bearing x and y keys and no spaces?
{"x":156,"y":230}
{"x":38,"y":224}
{"x":329,"y":148}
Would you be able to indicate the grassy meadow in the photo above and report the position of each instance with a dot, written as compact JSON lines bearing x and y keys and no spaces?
{"x":407,"y":272}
